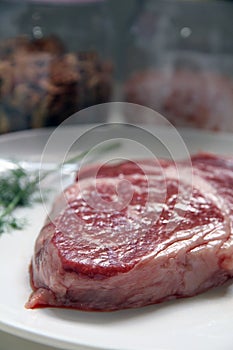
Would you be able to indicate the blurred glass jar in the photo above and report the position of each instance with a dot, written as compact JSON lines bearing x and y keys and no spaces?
{"x":55,"y":59}
{"x":179,"y":62}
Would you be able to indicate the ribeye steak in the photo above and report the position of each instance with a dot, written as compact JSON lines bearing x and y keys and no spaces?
{"x":132,"y":234}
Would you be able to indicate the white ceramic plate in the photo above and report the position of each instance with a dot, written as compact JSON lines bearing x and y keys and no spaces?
{"x":203,"y":322}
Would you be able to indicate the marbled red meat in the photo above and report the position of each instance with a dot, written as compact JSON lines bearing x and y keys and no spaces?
{"x":136,"y":233}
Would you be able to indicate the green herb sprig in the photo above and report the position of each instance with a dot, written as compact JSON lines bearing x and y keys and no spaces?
{"x":18,"y":188}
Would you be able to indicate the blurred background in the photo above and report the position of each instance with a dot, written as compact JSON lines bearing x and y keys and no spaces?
{"x":58,"y":57}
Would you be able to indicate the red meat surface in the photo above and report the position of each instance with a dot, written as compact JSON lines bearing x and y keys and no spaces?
{"x":136,"y":233}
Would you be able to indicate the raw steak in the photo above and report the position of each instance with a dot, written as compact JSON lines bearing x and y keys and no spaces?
{"x":138,"y":234}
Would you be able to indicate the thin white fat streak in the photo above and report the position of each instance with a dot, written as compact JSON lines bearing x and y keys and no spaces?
{"x":207,"y":190}
{"x":183,"y":237}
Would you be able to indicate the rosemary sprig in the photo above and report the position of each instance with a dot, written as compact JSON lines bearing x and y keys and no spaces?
{"x":18,"y":188}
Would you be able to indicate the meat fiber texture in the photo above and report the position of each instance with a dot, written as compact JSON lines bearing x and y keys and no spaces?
{"x":136,"y":233}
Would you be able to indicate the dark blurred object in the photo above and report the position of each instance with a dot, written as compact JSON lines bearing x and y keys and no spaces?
{"x":49,"y":72}
{"x":179,"y":61}
{"x":41,"y":85}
